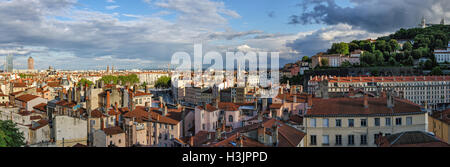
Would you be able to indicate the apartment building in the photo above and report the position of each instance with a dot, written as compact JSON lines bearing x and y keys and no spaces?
{"x":206,"y":118}
{"x":442,"y":55}
{"x":349,"y":122}
{"x":422,"y":90}
{"x":439,"y":124}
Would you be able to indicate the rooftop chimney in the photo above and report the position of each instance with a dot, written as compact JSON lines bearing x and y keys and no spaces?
{"x":161,"y":102}
{"x":275,"y":134}
{"x":366,"y":101}
{"x":262,"y":134}
{"x":191,"y":141}
{"x":108,"y":100}
{"x":310,"y":101}
{"x":164,"y":111}
{"x":241,"y":141}
{"x":390,"y":99}
{"x":69,"y":95}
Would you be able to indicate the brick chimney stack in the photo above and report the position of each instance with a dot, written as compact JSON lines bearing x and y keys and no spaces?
{"x":161,"y":102}
{"x":164,"y":113}
{"x":310,"y":101}
{"x":366,"y":101}
{"x":108,"y":100}
{"x":191,"y":141}
{"x":262,"y":134}
{"x":275,"y":134}
{"x":69,"y":95}
{"x":241,"y":140}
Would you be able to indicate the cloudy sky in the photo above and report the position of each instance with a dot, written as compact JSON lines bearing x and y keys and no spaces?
{"x":90,"y":34}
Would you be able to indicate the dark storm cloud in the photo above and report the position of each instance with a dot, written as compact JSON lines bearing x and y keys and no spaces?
{"x":372,"y":15}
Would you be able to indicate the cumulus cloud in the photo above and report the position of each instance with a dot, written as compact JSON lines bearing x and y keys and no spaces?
{"x":372,"y":15}
{"x":83,"y":34}
{"x":199,"y":12}
{"x":310,"y":43}
{"x":230,"y":35}
{"x":112,"y":7}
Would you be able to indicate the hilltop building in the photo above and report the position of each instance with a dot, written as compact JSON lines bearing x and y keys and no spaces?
{"x":30,"y":63}
{"x":442,"y":55}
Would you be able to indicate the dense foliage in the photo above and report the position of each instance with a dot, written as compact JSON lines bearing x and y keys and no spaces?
{"x":84,"y":81}
{"x":163,"y":82}
{"x":10,"y":136}
{"x":418,"y":43}
{"x":130,"y":79}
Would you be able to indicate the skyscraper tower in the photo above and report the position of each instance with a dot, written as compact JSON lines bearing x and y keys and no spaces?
{"x":9,"y":63}
{"x":30,"y":63}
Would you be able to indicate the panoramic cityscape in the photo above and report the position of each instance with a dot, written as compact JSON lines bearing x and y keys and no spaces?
{"x":207,"y":73}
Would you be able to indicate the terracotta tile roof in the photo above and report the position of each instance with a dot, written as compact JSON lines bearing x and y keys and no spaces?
{"x":383,"y":79}
{"x":444,"y":116}
{"x":201,"y":138}
{"x":35,"y":117}
{"x":234,"y":140}
{"x":112,"y":111}
{"x":16,"y":93}
{"x":296,"y":119}
{"x":65,"y":103}
{"x":53,"y":84}
{"x":209,"y":108}
{"x":79,"y":145}
{"x":275,"y":106}
{"x":139,"y":93}
{"x":287,"y":135}
{"x":228,"y":106}
{"x":24,"y":113}
{"x":20,"y":85}
{"x":113,"y":130}
{"x":97,"y":114}
{"x":411,"y":139}
{"x":345,"y":106}
{"x":301,"y":98}
{"x":26,"y":97}
{"x":124,"y":110}
{"x":41,"y":107}
{"x":41,"y":123}
{"x":173,"y":116}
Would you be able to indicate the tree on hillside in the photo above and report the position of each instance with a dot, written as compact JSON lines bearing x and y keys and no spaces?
{"x":10,"y":136}
{"x":339,"y":48}
{"x":407,"y":46}
{"x":436,"y":71}
{"x":393,"y":45}
{"x":306,"y":59}
{"x":379,"y":58}
{"x":352,"y":46}
{"x":368,"y":58}
{"x":324,"y":62}
{"x":409,"y":61}
{"x":392,"y":61}
{"x":346,"y":64}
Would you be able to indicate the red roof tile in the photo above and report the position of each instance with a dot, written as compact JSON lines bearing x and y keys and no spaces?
{"x":355,"y":106}
{"x":26,"y":97}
